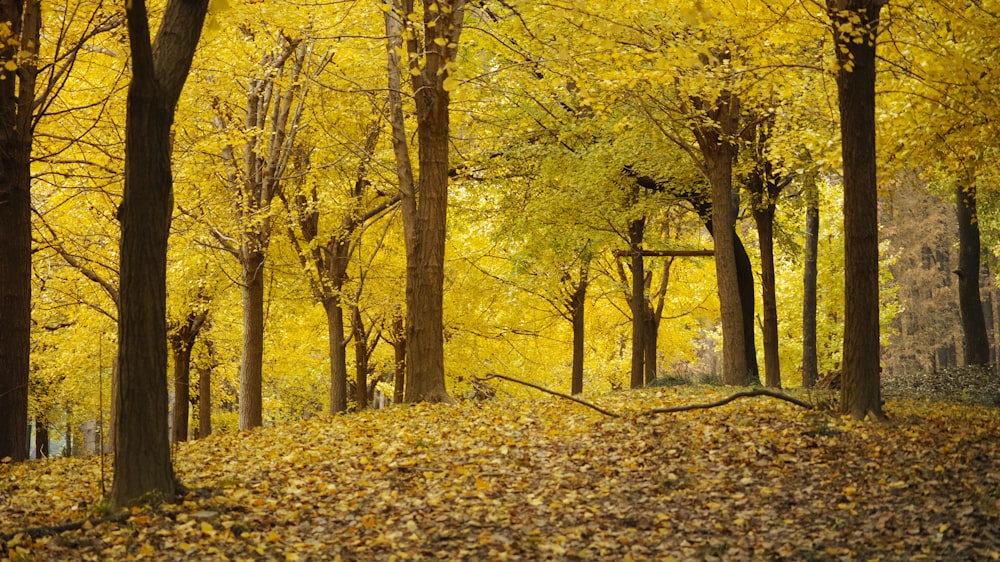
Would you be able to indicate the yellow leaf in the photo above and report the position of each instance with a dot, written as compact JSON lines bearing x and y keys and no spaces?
{"x":146,"y":549}
{"x":11,"y":66}
{"x":449,"y":84}
{"x":441,"y":41}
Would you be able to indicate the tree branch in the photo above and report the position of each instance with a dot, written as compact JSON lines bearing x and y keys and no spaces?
{"x":670,"y":410}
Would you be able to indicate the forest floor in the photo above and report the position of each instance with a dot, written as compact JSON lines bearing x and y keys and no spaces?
{"x":547,"y":479}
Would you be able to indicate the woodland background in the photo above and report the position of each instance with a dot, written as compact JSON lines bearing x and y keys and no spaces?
{"x":573,"y":140}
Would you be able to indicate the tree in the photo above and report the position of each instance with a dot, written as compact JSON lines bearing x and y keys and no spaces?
{"x":810,"y":367}
{"x":142,"y":467}
{"x":271,"y":121}
{"x":855,"y":32}
{"x":18,"y":54}
{"x":970,"y":305}
{"x":431,"y":49}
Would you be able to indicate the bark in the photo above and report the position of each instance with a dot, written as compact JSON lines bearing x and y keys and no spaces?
{"x":854,"y":44}
{"x":970,"y":307}
{"x":252,"y":356}
{"x":636,"y":231}
{"x":425,"y":203}
{"x":719,"y":151}
{"x":16,"y":95}
{"x":810,"y":366}
{"x":142,"y":466}
{"x":338,"y":354}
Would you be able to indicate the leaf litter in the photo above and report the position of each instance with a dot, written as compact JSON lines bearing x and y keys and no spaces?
{"x":549,"y":480}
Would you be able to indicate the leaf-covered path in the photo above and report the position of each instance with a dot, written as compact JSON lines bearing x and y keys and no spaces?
{"x":549,"y":480}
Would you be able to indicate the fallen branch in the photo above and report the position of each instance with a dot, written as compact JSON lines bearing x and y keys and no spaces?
{"x":552,"y":392}
{"x":728,"y":399}
{"x":670,"y":410}
{"x":49,"y":530}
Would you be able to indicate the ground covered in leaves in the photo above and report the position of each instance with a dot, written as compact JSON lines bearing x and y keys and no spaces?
{"x":757,"y":479}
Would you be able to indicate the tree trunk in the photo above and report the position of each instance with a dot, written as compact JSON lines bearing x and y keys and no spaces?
{"x":578,"y":305}
{"x":41,"y":439}
{"x":636,"y":230}
{"x":252,"y":356}
{"x":744,"y":279}
{"x":16,"y":95}
{"x":810,"y":366}
{"x":182,"y":391}
{"x":399,"y":359}
{"x":649,"y":343}
{"x":338,"y":353}
{"x":719,"y":152}
{"x":970,"y":307}
{"x":424,"y":203}
{"x":360,"y":357}
{"x":854,"y":44}
{"x":764,"y":217}
{"x":205,"y":396}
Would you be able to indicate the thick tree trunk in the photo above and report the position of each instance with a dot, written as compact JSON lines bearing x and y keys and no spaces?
{"x":735,"y":370}
{"x":636,"y":230}
{"x":338,"y":353}
{"x":143,"y":471}
{"x":424,"y":203}
{"x":16,"y":112}
{"x":142,"y":445}
{"x":970,"y":307}
{"x":252,"y":356}
{"x":764,"y":217}
{"x":855,"y":24}
{"x":719,"y":152}
{"x":810,"y":366}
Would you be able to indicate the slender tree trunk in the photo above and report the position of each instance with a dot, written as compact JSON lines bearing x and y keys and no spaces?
{"x":182,"y":391}
{"x":252,"y":356}
{"x":578,"y":305}
{"x":810,"y":366}
{"x":205,"y":395}
{"x":764,"y":217}
{"x":41,"y":438}
{"x":16,"y":96}
{"x":338,"y":353}
{"x":650,"y":343}
{"x":360,"y":357}
{"x":970,"y":307}
{"x":636,"y":231}
{"x":744,"y":279}
{"x":399,"y":359}
{"x":855,"y":24}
